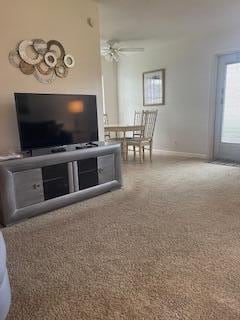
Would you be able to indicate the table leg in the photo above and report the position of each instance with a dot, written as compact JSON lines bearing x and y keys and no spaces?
{"x":124,"y":146}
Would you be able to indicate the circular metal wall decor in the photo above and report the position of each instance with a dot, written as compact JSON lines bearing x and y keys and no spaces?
{"x":58,"y":45}
{"x":26,"y":68}
{"x":14,"y":58}
{"x":44,"y":78}
{"x":43,"y":68}
{"x":69,"y":61}
{"x":40,"y":46}
{"x":45,"y":60}
{"x":50,"y":59}
{"x":61,"y":71}
{"x":23,"y":52}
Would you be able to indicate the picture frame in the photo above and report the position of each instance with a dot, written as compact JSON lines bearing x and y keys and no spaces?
{"x":154,"y":88}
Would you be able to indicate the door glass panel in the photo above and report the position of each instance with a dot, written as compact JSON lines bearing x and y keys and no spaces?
{"x":231,"y":114}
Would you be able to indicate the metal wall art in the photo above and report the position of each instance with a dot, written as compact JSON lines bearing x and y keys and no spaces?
{"x":44,"y":60}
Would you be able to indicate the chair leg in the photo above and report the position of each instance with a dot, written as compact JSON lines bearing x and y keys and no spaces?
{"x":126,"y":150}
{"x":143,"y":153}
{"x":140,"y":154}
{"x":134,"y":152}
{"x":150,"y":150}
{"x":122,"y":150}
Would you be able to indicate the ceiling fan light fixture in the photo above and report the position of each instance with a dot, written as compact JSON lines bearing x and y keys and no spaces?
{"x":111,"y":52}
{"x":108,"y":57}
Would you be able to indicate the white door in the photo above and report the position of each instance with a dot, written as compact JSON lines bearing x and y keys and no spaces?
{"x":227,"y":124}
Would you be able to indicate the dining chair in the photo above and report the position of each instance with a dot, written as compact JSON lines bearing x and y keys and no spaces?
{"x":144,"y":141}
{"x":107,"y":134}
{"x":106,"y":122}
{"x":138,"y":120}
{"x":105,"y":119}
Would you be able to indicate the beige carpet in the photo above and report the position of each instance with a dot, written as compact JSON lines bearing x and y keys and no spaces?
{"x":166,"y":246}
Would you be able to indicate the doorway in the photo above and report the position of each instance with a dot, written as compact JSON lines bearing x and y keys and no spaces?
{"x":227,"y":121}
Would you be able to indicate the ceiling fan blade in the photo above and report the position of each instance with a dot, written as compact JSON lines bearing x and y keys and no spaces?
{"x":105,"y":51}
{"x":131,"y":49}
{"x":112,"y":42}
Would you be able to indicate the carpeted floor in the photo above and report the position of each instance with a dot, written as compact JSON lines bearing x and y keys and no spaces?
{"x":166,"y":246}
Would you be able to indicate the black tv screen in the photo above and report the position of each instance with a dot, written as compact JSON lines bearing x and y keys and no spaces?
{"x":48,"y":120}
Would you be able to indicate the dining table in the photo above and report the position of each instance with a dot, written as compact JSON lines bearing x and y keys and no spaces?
{"x":123,"y":130}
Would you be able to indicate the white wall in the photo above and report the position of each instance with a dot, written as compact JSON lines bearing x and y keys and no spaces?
{"x":109,"y":73}
{"x":61,"y":20}
{"x":185,"y":123}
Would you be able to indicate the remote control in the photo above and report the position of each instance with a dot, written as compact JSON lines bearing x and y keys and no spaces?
{"x":10,"y":156}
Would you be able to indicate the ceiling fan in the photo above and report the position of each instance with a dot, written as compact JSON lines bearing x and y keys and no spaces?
{"x":111,"y":50}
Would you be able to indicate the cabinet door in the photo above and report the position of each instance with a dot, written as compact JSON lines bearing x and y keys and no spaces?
{"x":106,"y":168}
{"x":87,"y":173}
{"x":28,"y":187}
{"x":55,"y":180}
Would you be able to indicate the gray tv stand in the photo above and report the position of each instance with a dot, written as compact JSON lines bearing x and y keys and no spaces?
{"x":38,"y":184}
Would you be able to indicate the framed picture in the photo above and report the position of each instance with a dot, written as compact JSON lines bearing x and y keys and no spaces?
{"x":154,"y":87}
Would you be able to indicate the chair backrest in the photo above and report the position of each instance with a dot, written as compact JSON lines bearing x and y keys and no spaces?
{"x":138,"y":121}
{"x":149,"y":120}
{"x":137,"y":118}
{"x":105,"y":122}
{"x":105,"y":119}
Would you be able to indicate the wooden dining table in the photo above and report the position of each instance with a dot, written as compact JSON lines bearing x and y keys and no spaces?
{"x":123,"y":129}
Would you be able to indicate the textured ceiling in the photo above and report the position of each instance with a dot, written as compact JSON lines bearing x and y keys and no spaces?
{"x":165,"y":19}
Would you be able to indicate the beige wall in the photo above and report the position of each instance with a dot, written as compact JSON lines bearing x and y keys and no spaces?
{"x":109,"y":73}
{"x":63,"y":20}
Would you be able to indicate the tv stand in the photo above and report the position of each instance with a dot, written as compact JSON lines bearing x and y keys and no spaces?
{"x":34,"y":185}
{"x":56,"y":150}
{"x":59,"y":149}
{"x":94,"y":144}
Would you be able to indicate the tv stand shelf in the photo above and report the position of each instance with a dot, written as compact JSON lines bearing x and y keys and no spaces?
{"x":38,"y":184}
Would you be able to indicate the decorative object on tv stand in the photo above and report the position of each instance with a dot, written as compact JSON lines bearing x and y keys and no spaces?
{"x":44,"y":60}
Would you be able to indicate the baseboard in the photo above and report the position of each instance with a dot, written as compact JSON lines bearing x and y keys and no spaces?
{"x":181,"y":154}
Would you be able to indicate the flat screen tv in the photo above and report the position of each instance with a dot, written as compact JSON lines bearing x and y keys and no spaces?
{"x":50,"y":120}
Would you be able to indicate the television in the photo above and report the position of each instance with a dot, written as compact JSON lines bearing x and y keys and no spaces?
{"x":51,"y":120}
